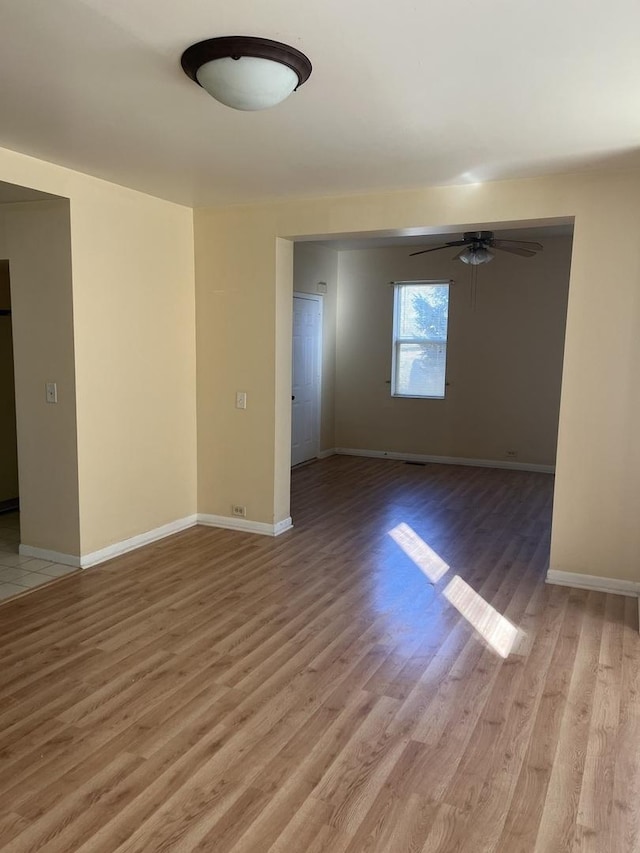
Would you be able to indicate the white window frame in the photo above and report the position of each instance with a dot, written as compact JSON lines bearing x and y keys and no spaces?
{"x":398,"y":286}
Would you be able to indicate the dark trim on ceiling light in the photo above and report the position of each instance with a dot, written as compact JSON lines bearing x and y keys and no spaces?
{"x":236,"y":47}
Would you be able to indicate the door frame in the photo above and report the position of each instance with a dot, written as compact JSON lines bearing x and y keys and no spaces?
{"x":318,"y":298}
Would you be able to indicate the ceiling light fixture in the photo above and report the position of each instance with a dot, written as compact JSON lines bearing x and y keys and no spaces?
{"x":476,"y":256}
{"x":245,"y":72}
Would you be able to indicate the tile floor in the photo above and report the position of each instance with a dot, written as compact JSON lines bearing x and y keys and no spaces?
{"x":17,"y":573}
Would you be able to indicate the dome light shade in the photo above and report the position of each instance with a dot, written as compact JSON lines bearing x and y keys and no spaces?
{"x":248,"y":83}
{"x":476,"y":256}
{"x":246,"y":73}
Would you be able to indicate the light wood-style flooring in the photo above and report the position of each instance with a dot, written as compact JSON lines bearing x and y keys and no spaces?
{"x":391,"y":675}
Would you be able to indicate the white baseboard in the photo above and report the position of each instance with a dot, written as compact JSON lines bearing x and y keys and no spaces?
{"x":447,"y":460}
{"x":282,"y":526}
{"x":324,"y":454}
{"x":595,"y":582}
{"x":126,"y":545}
{"x":51,"y":556}
{"x":244,"y":524}
{"x":95,"y":557}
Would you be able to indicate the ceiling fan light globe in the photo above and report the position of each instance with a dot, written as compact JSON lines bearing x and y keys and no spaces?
{"x":476,"y":256}
{"x":483,"y":255}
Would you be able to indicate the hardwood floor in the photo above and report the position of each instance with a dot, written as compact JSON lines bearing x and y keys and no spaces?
{"x":220,"y":691}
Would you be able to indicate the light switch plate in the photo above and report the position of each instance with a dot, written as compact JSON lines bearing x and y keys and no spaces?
{"x":52,"y":392}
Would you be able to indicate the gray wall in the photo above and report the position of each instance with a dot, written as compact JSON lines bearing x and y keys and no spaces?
{"x":504,"y":356}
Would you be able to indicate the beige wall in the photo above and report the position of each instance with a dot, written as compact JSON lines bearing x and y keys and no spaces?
{"x":313,"y":264}
{"x":133,"y":310}
{"x":504,"y":360}
{"x":133,"y":332}
{"x":236,"y":351}
{"x":595,"y":530}
{"x":35,"y":236}
{"x":134,"y":320}
{"x":8,"y":439}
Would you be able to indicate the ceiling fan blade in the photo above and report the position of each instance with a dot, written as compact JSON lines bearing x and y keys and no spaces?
{"x":515,"y":250}
{"x":437,"y":248}
{"x":424,"y":251}
{"x":520,"y":244}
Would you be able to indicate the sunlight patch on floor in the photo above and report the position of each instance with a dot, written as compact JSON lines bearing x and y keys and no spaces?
{"x":425,"y":558}
{"x":491,"y":625}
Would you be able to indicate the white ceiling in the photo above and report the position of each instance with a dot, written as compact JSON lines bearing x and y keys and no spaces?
{"x":403,"y":93}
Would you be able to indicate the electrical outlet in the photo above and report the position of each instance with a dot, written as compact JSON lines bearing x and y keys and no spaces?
{"x":511,"y":454}
{"x":238,"y":511}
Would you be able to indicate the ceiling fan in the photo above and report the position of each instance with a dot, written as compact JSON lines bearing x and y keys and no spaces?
{"x":478,"y":245}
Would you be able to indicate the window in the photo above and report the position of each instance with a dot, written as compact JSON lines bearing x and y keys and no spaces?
{"x":420,"y":315}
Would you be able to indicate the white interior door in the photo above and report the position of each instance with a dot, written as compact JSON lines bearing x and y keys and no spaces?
{"x":305,"y":382}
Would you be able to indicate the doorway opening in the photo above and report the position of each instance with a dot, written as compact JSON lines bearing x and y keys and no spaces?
{"x":8,"y":433}
{"x":38,"y":442}
{"x":503,"y":376}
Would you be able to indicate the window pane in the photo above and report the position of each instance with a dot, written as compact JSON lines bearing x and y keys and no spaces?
{"x":423,"y":311}
{"x":420,"y":369}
